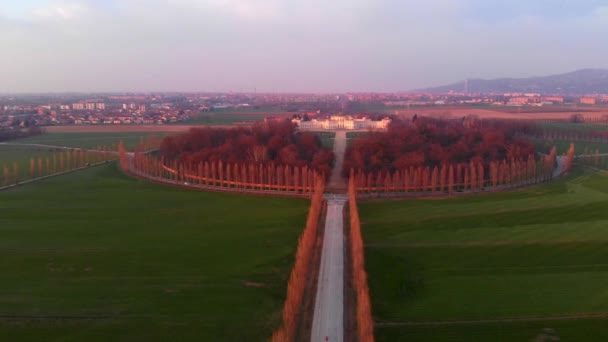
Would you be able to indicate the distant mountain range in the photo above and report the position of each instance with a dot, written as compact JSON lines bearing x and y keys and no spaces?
{"x":584,"y":81}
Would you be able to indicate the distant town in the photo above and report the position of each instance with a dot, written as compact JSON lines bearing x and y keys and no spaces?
{"x":164,"y":109}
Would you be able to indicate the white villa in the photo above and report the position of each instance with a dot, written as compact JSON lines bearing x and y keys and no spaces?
{"x":342,"y":122}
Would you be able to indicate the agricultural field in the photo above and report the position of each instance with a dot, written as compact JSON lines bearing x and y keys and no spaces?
{"x":98,"y":256}
{"x":91,"y":140}
{"x":559,"y":126}
{"x":496,"y":267}
{"x":235,"y":116}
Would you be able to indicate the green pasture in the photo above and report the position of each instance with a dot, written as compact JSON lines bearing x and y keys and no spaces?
{"x":91,"y":140}
{"x":515,"y":257}
{"x":564,"y":126}
{"x":98,"y":256}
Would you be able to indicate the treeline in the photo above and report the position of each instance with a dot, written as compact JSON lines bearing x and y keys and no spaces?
{"x":451,"y":178}
{"x":364,"y":321}
{"x":275,"y":143}
{"x":434,"y":142}
{"x":296,"y":286}
{"x":239,"y":177}
{"x":15,"y":173}
{"x":572,"y":135}
{"x":593,"y":159}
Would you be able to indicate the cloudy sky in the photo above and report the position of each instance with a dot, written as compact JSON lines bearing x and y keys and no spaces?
{"x":291,"y":45}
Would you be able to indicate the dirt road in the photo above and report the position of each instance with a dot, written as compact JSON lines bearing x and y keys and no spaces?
{"x":328,"y":321}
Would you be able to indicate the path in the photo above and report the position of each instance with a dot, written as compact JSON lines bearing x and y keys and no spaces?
{"x":336,"y":181}
{"x":328,"y":321}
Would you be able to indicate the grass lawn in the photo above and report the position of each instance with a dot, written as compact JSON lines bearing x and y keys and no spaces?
{"x":89,"y":140}
{"x":539,"y":252}
{"x":327,"y":139}
{"x":143,"y":261}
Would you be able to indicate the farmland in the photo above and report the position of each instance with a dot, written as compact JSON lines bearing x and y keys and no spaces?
{"x":499,"y":267}
{"x":98,"y":256}
{"x":90,"y":140}
{"x":559,"y":126}
{"x":235,"y":116}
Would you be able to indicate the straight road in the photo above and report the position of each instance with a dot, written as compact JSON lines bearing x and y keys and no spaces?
{"x":328,"y":321}
{"x":336,"y":181}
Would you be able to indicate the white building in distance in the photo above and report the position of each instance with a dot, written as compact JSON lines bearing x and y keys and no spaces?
{"x":339,"y":122}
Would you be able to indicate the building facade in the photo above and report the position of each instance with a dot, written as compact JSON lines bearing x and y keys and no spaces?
{"x":339,"y":122}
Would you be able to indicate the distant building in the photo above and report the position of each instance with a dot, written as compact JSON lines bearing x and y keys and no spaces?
{"x":142,"y":108}
{"x":588,"y":100}
{"x":522,"y":100}
{"x":553,"y":99}
{"x":90,"y":106}
{"x":101,"y":106}
{"x":342,"y":122}
{"x":78,"y":106}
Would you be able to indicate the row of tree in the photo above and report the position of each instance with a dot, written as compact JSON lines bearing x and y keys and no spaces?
{"x":365,"y":323}
{"x":301,"y":269}
{"x":57,"y":163}
{"x":148,"y":143}
{"x":245,"y":176}
{"x":594,"y":159}
{"x":573,"y":135}
{"x":432,"y":142}
{"x":460,"y":177}
{"x":274,"y":142}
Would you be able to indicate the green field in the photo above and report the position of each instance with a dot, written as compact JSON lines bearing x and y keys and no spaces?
{"x":98,"y":256}
{"x":558,"y":126}
{"x":90,"y":140}
{"x":562,"y":146}
{"x":233,"y":116}
{"x":327,"y":139}
{"x":540,"y":252}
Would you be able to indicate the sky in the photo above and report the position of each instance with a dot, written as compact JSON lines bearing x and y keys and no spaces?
{"x":291,"y":45}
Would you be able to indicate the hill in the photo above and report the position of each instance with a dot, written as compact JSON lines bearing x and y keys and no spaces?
{"x":584,"y":81}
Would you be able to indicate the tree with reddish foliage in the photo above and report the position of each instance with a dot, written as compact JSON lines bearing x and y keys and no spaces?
{"x":432,"y":142}
{"x":275,"y":142}
{"x":434,"y":177}
{"x":451,"y":180}
{"x":494,"y":174}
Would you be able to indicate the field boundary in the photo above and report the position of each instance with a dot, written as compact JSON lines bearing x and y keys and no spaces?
{"x":497,"y":320}
{"x":293,"y":308}
{"x":25,"y":182}
{"x":151,"y":169}
{"x":362,"y":301}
